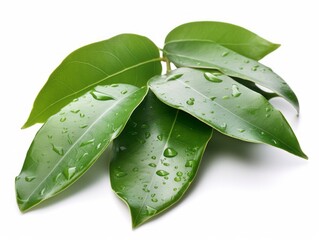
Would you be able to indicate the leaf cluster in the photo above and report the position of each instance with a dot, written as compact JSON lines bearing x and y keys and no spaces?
{"x":112,"y":94}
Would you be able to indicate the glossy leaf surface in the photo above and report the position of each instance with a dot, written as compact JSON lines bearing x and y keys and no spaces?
{"x":205,"y":54}
{"x":125,"y":58}
{"x":228,"y":35}
{"x":156,"y":158}
{"x":227,"y":106}
{"x":71,"y":140}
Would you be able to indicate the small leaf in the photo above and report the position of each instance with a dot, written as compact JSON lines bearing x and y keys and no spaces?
{"x":156,"y":158}
{"x":228,"y":35}
{"x":125,"y":58}
{"x":209,"y":55}
{"x":227,"y":106}
{"x":71,"y":140}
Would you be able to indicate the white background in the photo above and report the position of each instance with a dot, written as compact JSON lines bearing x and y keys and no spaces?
{"x":243,"y":191}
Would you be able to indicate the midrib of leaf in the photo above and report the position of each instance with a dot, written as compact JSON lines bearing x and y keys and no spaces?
{"x":154,"y":174}
{"x":77,"y":141}
{"x":251,"y":124}
{"x":206,"y":40}
{"x":94,"y":84}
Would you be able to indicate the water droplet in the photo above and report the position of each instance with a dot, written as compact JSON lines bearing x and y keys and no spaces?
{"x":212,"y":98}
{"x":160,"y":137}
{"x":174,"y":77}
{"x":274,"y":141}
{"x":98,"y":146}
{"x":135,"y":169}
{"x":50,"y":136}
{"x":246,"y":61}
{"x":64,"y":130}
{"x":190,"y":101}
{"x":235,"y":91}
{"x":179,"y":174}
{"x":267,"y":115}
{"x":150,"y":211}
{"x":87,"y":142}
{"x":82,"y":115}
{"x":124,"y":92}
{"x":177,"y":179}
{"x":224,"y":54}
{"x":166,"y":164}
{"x":122,"y":148}
{"x":29,"y":179}
{"x":69,"y":173}
{"x":162,"y":173}
{"x":101,"y":96}
{"x":254,"y":68}
{"x":152,"y":165}
{"x":144,"y":125}
{"x":56,"y":179}
{"x":174,"y":189}
{"x":75,"y":111}
{"x":62,"y":119}
{"x":153,"y":157}
{"x":42,"y":192}
{"x":147,"y":135}
{"x":190,"y":163}
{"x":83,"y":126}
{"x":154,"y":200}
{"x":120,"y":174}
{"x":268,"y":109}
{"x":58,"y":150}
{"x":225,"y":97}
{"x":241,"y":130}
{"x":223,"y":126}
{"x":212,"y":77}
{"x":75,"y":100}
{"x":262,"y":133}
{"x":170,"y":152}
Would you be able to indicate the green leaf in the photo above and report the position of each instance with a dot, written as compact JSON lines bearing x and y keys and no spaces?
{"x":156,"y":158}
{"x":207,"y":54}
{"x":71,"y":140}
{"x":125,"y":58}
{"x":228,"y":35}
{"x":227,"y":106}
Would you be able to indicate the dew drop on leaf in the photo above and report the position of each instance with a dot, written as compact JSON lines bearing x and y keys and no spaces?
{"x":69,"y":173}
{"x":58,"y":150}
{"x":170,"y":152}
{"x":190,"y":163}
{"x":120,"y":174}
{"x":190,"y":101}
{"x":235,"y":91}
{"x":162,"y":173}
{"x":101,"y":96}
{"x":177,"y":179}
{"x":63,"y":119}
{"x":87,"y":142}
{"x":29,"y":179}
{"x":224,"y":54}
{"x":212,"y":77}
{"x":150,"y":211}
{"x":174,"y":77}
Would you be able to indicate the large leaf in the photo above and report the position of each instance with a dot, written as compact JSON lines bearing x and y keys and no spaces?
{"x":227,"y":106}
{"x":228,"y":35}
{"x":207,"y":54}
{"x":156,"y":158}
{"x":125,"y":58}
{"x":71,"y":140}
